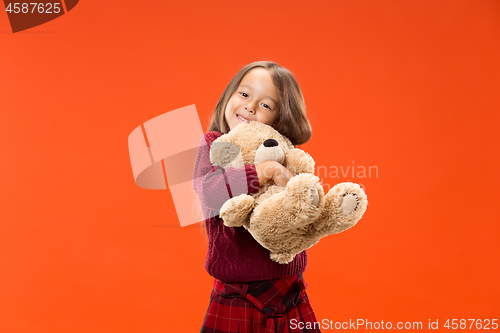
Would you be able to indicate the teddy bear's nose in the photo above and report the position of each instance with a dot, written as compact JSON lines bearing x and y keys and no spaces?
{"x":270,"y":143}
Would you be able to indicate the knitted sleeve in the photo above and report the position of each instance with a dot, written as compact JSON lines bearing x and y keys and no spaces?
{"x":215,"y":185}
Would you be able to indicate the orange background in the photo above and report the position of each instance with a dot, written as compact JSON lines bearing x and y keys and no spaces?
{"x":408,"y":87}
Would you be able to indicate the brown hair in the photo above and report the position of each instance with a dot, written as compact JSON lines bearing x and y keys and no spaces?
{"x":291,"y":122}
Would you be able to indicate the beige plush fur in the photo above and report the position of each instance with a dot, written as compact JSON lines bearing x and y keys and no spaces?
{"x":284,"y":220}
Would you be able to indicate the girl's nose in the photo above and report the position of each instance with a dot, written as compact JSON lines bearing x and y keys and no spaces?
{"x":250,"y":109}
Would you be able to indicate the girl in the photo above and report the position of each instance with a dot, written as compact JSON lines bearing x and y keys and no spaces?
{"x":251,"y":292}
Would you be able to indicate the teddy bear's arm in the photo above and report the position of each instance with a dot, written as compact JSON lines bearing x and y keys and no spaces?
{"x":298,"y":161}
{"x":235,"y":211}
{"x":213,"y":185}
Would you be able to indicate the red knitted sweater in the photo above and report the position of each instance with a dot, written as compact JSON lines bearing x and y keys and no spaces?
{"x":233,"y":255}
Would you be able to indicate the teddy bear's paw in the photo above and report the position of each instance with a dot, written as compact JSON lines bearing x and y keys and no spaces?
{"x":305,"y":188}
{"x":235,"y":211}
{"x":314,"y":196}
{"x":345,"y":205}
{"x":350,"y":203}
{"x":282,"y":258}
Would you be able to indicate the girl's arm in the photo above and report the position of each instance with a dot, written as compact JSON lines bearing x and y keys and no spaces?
{"x":274,"y":171}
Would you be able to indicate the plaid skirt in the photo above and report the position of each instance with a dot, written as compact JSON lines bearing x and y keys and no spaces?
{"x":272,"y":306}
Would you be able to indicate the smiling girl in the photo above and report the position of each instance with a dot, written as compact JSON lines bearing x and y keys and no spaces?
{"x":251,"y":292}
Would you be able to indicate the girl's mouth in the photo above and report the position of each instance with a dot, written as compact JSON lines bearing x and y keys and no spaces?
{"x":242,"y":119}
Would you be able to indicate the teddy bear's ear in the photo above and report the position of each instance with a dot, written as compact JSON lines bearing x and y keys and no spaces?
{"x":223,"y":153}
{"x":288,"y":142}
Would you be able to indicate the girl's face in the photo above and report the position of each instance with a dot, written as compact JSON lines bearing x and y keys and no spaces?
{"x":256,"y":98}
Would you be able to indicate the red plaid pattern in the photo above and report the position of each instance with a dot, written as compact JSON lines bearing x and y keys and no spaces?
{"x":260,"y":307}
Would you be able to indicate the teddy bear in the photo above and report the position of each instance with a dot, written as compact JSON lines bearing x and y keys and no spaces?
{"x":285,"y":220}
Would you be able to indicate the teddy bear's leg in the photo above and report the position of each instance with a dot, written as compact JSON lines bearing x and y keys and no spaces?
{"x":349,"y":203}
{"x":299,"y":241}
{"x":305,"y":187}
{"x":314,"y":196}
{"x":235,"y":211}
{"x":282,"y":258}
{"x":345,"y":204}
{"x":298,"y":204}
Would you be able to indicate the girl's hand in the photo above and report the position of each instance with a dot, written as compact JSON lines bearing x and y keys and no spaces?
{"x":274,"y":171}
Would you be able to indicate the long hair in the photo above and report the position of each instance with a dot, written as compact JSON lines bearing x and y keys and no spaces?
{"x":291,"y":122}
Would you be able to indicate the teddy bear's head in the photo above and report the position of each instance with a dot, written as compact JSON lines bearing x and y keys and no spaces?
{"x":250,"y":143}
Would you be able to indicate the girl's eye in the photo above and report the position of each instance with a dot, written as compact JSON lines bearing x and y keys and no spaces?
{"x":244,"y":94}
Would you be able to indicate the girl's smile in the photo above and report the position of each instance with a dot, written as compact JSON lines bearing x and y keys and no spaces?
{"x":240,"y":118}
{"x":256,"y":98}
